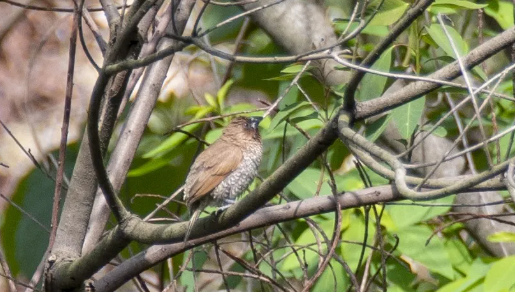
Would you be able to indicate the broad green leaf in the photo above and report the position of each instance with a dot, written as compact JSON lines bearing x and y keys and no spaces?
{"x":290,"y":97}
{"x":501,"y":11}
{"x":453,"y":6}
{"x":326,"y":281}
{"x":400,"y":278}
{"x":352,"y":239}
{"x":439,"y":131}
{"x":460,"y":3}
{"x":198,"y":111}
{"x":212,"y":135}
{"x":306,"y":184}
{"x":294,"y":69}
{"x":349,"y":181}
{"x":407,"y":215}
{"x":210,"y":100}
{"x":433,"y":256}
{"x":148,"y":167}
{"x":161,"y":161}
{"x":374,"y":130}
{"x":375,"y":30}
{"x":503,"y":236}
{"x":239,"y":107}
{"x":23,"y":241}
{"x":407,"y":116}
{"x":278,"y":132}
{"x":390,"y":12}
{"x":282,"y":115}
{"x":459,"y":255}
{"x":459,"y":285}
{"x":172,"y":141}
{"x":500,"y":277}
{"x":373,"y":85}
{"x":222,"y":93}
{"x":438,"y":35}
{"x":475,"y":275}
{"x":284,"y":77}
{"x":308,"y":238}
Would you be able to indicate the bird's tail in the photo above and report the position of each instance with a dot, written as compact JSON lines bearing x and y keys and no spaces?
{"x":193,"y":219}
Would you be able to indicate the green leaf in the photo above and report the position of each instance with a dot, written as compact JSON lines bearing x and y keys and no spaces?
{"x":291,"y":131}
{"x":374,"y":130}
{"x":308,"y":238}
{"x":294,"y":69}
{"x":350,"y":181}
{"x":460,"y":3}
{"x":373,"y":85}
{"x":438,"y":35}
{"x":439,"y":131}
{"x":407,"y":116}
{"x":375,"y":30}
{"x":475,"y":274}
{"x":306,"y":184}
{"x":290,"y":97}
{"x":222,"y":93}
{"x":434,"y":256}
{"x":503,"y":236}
{"x":459,"y":254}
{"x":282,"y":115}
{"x":210,"y":100}
{"x":502,"y":12}
{"x":453,"y":6}
{"x":352,"y":240}
{"x":390,"y":12}
{"x":148,"y":167}
{"x":212,"y":135}
{"x":500,"y":277}
{"x":326,"y":281}
{"x":171,"y":142}
{"x":408,"y":215}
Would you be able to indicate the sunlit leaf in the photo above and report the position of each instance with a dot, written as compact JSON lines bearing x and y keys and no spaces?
{"x":390,"y":12}
{"x":294,"y":69}
{"x":407,"y":116}
{"x":308,"y":183}
{"x":433,"y":256}
{"x":374,"y":130}
{"x":502,"y":236}
{"x":373,"y":84}
{"x":172,"y":141}
{"x":500,"y":277}
{"x":501,"y":11}
{"x":282,"y":115}
{"x":210,"y":100}
{"x":222,"y":93}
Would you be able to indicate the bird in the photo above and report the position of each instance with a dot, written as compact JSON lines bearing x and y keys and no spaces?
{"x":225,"y":169}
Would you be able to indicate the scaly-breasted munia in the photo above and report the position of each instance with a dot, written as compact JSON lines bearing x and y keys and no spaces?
{"x":225,"y":169}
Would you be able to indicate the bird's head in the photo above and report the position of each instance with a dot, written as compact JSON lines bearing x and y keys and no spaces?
{"x":243,"y":128}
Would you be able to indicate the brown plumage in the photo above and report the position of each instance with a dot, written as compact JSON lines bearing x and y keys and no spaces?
{"x":225,"y":169}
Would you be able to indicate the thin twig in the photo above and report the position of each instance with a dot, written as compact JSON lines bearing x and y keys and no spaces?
{"x":7,"y":272}
{"x":64,"y":128}
{"x":52,"y":9}
{"x":469,"y":87}
{"x":25,"y":213}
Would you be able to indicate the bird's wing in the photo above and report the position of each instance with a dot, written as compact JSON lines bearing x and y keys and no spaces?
{"x":211,"y":167}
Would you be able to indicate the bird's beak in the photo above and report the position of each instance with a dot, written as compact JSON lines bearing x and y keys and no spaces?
{"x":254,"y":122}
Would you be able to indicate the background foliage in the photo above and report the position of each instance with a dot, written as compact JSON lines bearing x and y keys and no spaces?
{"x":423,"y":246}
